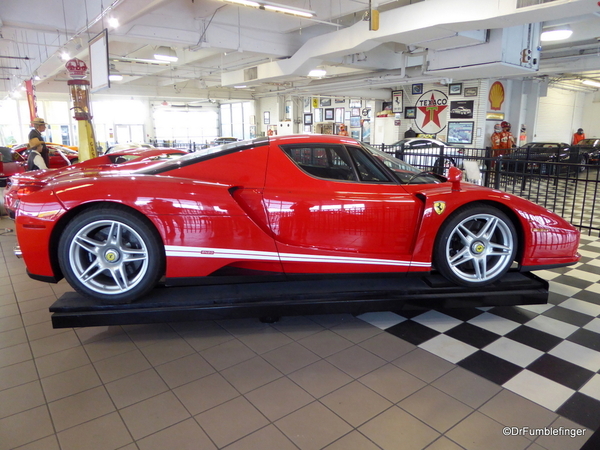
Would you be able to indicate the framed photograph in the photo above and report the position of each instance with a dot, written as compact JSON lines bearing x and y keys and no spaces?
{"x":339,"y":115}
{"x":355,"y":103}
{"x":354,"y":122}
{"x":355,"y":134}
{"x":397,"y":101}
{"x":455,"y":89}
{"x":267,"y":117}
{"x":354,"y":112}
{"x":462,"y":109}
{"x":308,"y":118}
{"x":329,"y":113}
{"x":347,"y":115}
{"x":325,"y":102}
{"x":417,"y":89}
{"x":318,"y":115}
{"x":410,"y":112}
{"x":470,"y":92}
{"x":340,"y":100}
{"x":460,"y":132}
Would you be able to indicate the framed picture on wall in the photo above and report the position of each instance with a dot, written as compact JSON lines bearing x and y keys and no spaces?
{"x":267,"y":117}
{"x":308,"y":118}
{"x":397,"y":101}
{"x":325,"y":102}
{"x":354,"y":122}
{"x":329,"y":113}
{"x":417,"y":89}
{"x":470,"y":92}
{"x":339,"y":115}
{"x":410,"y":112}
{"x":455,"y":89}
{"x":318,"y":115}
{"x":354,"y":112}
{"x":460,"y":132}
{"x":462,"y":109}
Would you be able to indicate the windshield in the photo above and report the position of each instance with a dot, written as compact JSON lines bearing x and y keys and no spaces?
{"x":403,"y":171}
{"x":589,"y":142}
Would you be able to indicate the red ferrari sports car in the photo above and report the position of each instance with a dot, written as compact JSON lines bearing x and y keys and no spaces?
{"x":14,"y":160}
{"x":23,"y":183}
{"x":288,"y":205}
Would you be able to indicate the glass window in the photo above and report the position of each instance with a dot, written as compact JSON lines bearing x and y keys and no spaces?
{"x":330,"y":162}
{"x":367,"y":169}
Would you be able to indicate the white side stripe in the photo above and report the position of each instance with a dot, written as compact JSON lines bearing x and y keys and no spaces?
{"x":203,"y":252}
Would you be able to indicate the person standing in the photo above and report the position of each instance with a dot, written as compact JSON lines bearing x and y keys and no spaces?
{"x":507,"y":140}
{"x":578,"y":136}
{"x":496,"y":139}
{"x":39,"y":126}
{"x":34,"y":159}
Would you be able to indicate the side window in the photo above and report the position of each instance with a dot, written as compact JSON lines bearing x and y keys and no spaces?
{"x":367,"y":169}
{"x":330,"y":162}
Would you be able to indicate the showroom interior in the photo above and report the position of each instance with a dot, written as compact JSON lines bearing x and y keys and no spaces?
{"x":181,"y":73}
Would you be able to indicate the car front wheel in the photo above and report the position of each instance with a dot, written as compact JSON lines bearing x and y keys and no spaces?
{"x":476,"y":246}
{"x":111,"y":254}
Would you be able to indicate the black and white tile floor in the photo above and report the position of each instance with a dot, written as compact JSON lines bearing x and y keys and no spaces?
{"x":549,"y":354}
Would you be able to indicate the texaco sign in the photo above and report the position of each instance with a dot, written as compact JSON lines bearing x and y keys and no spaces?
{"x":430,"y":107}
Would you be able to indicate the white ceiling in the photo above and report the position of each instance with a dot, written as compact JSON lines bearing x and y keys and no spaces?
{"x":217,"y":41}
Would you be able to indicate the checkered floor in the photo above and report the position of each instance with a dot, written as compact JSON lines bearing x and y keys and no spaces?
{"x":548,"y":353}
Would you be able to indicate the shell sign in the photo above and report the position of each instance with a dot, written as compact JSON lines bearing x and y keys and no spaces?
{"x":430,"y":105}
{"x":496,"y":96}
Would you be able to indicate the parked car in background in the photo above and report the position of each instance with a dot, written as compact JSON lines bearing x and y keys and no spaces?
{"x":591,"y":146}
{"x":306,"y":205}
{"x":127,"y":146}
{"x":544,"y":158}
{"x":427,"y":153}
{"x":20,"y":185}
{"x":14,"y":160}
{"x":223,"y":140}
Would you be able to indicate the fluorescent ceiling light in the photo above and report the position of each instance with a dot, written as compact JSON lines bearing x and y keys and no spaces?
{"x":557,"y":33}
{"x":165,"y":54}
{"x":317,"y":73}
{"x":591,"y":83}
{"x":276,"y":7}
{"x":241,"y":86}
{"x":113,"y":22}
{"x":64,"y":55}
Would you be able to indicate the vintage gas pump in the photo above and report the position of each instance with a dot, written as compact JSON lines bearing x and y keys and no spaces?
{"x":79,"y":90}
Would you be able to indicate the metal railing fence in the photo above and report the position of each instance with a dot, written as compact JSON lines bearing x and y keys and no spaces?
{"x":570,"y":190}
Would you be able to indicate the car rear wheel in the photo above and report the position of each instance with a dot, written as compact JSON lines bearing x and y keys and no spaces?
{"x":476,"y":246}
{"x":111,"y":254}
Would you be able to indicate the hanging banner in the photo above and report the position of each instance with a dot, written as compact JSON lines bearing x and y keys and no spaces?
{"x":31,"y":99}
{"x":430,"y":106}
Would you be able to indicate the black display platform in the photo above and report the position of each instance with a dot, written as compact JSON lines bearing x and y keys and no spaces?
{"x":268,"y":301}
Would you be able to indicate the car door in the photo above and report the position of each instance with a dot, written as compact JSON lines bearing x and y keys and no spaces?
{"x":333,"y":212}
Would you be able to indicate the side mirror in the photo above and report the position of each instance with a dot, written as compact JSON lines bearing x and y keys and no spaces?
{"x":455,"y":176}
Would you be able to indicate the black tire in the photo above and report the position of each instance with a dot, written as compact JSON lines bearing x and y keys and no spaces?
{"x":111,"y":254}
{"x":475,"y":246}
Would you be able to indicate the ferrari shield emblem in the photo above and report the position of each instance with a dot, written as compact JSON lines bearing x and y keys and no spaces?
{"x":439,"y":207}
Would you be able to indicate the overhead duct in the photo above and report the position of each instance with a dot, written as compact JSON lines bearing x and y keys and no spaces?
{"x":509,"y":51}
{"x":453,"y":24}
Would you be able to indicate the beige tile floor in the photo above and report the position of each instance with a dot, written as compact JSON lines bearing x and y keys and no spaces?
{"x":316,"y":382}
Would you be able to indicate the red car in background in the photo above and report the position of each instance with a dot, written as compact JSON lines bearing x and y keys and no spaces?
{"x":310,"y":205}
{"x":14,"y":160}
{"x":20,"y":185}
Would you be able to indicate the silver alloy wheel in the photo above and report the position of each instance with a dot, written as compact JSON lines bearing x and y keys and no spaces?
{"x":108,"y":257}
{"x":479,"y":248}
